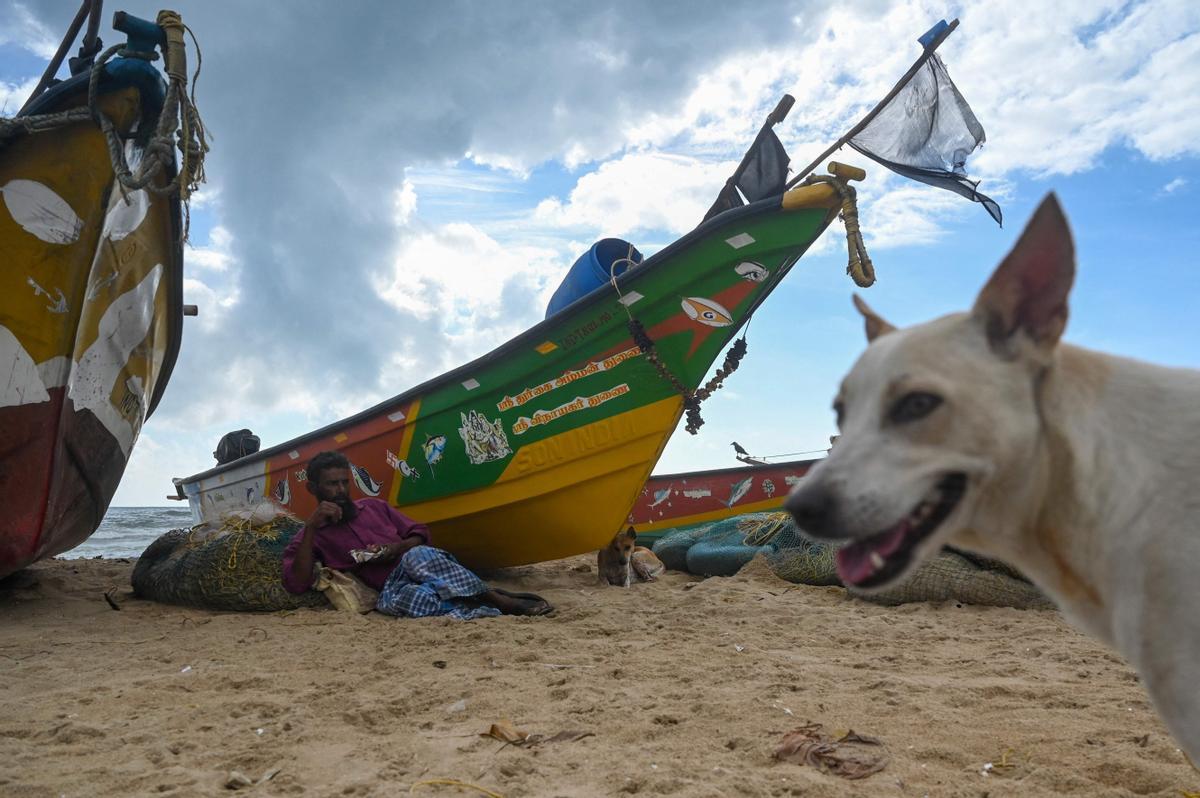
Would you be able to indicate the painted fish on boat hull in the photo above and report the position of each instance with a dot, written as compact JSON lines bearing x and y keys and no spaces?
{"x":738,"y":490}
{"x":709,"y":494}
{"x":362,"y":478}
{"x":433,"y":448}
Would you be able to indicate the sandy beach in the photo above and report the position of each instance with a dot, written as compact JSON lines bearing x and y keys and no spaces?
{"x":677,"y":687}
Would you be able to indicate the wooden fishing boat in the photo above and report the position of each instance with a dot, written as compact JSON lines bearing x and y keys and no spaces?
{"x":91,"y":316}
{"x":672,"y":501}
{"x":537,"y":450}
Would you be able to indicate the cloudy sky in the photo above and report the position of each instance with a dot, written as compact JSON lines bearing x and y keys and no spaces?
{"x":396,"y":188}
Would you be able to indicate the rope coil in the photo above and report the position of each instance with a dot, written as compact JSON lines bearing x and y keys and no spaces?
{"x":860,"y":268}
{"x":179,"y":109}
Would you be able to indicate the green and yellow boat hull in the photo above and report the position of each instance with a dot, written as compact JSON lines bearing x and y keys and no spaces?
{"x":539,"y":449}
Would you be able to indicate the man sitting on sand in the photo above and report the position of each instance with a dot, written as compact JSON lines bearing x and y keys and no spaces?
{"x":390,"y":552}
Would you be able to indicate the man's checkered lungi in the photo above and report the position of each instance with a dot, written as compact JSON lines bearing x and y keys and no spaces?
{"x":429,"y":581}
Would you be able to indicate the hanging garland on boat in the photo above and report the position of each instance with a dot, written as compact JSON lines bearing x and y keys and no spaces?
{"x":860,"y":269}
{"x":691,"y":399}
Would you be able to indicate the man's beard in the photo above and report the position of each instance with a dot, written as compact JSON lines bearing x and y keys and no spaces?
{"x":346,"y":505}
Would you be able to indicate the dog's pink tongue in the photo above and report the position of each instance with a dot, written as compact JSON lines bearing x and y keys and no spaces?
{"x":854,"y":561}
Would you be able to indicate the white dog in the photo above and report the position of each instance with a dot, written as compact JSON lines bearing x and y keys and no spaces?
{"x":1082,"y":469}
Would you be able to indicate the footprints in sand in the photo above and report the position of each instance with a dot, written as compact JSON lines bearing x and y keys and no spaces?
{"x":359,"y":707}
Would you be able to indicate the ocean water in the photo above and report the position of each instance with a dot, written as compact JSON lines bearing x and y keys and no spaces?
{"x":127,"y":531}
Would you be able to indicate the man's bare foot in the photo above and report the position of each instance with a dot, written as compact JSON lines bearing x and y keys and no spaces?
{"x":516,"y":603}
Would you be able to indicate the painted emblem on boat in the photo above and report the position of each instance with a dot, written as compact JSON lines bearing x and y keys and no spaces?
{"x":738,"y":490}
{"x":101,"y":283}
{"x":362,"y":478}
{"x":697,"y":493}
{"x":282,"y":493}
{"x":768,"y":487}
{"x":402,"y":466}
{"x":41,"y":212}
{"x":485,"y":440}
{"x":749,"y":270}
{"x":661,"y":496}
{"x":56,"y":305}
{"x":302,"y":475}
{"x":706,"y":311}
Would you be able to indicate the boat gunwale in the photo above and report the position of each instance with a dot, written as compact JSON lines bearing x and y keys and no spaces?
{"x":47,"y":102}
{"x":712,"y":472}
{"x":594,"y":297}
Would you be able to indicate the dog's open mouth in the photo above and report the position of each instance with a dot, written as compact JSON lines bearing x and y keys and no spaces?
{"x":877,"y":560}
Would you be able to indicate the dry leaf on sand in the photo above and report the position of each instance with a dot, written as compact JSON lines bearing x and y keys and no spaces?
{"x":505,"y":732}
{"x":853,"y":756}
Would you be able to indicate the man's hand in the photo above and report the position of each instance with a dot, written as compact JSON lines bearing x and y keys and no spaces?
{"x":394,"y":551}
{"x":325,"y":514}
{"x":304,"y":563}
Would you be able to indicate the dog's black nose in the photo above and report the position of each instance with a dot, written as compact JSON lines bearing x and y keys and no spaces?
{"x":812,"y":508}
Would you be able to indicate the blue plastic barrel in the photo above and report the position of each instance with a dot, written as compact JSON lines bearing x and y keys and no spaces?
{"x":591,"y":271}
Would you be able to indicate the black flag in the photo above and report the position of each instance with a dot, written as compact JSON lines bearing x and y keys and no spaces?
{"x":925,"y":132}
{"x":763,"y":173}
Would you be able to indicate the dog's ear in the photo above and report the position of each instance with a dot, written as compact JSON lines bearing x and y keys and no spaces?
{"x":630,"y":533}
{"x":876,"y":325}
{"x":1028,"y":291}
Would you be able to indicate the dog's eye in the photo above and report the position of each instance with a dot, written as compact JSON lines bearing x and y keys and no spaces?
{"x":913,"y":406}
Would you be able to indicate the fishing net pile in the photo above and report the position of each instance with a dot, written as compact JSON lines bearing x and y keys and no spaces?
{"x":723,"y":547}
{"x":235,"y":565}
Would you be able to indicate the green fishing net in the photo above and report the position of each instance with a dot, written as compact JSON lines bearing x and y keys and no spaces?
{"x":236,"y":566}
{"x":721,"y":548}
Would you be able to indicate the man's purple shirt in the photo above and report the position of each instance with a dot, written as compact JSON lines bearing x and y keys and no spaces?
{"x":376,"y":522}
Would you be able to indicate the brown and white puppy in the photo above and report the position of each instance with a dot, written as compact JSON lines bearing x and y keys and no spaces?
{"x":622,"y":560}
{"x":1080,"y":468}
